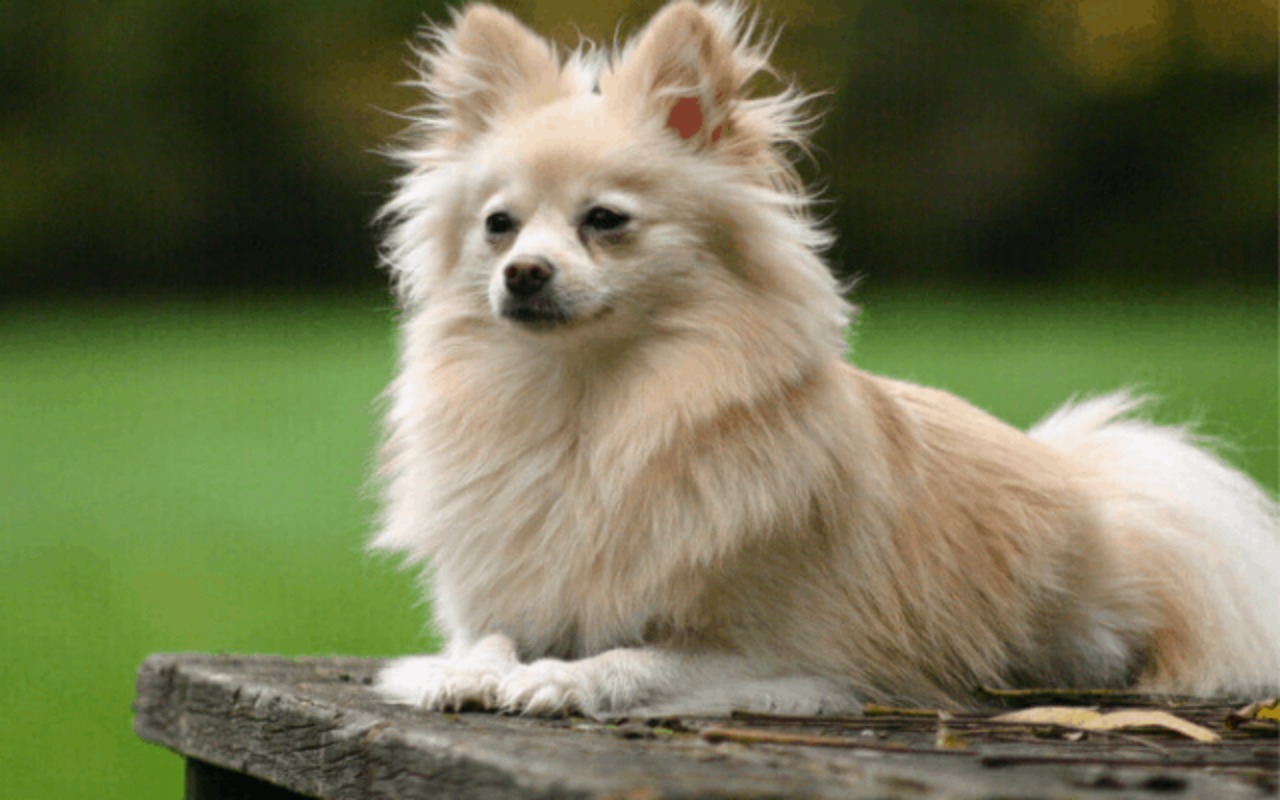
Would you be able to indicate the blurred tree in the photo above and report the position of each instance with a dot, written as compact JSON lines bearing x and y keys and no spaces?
{"x":163,"y":145}
{"x":1002,"y":142}
{"x":174,"y":145}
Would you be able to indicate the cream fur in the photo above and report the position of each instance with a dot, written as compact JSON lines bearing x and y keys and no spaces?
{"x":679,"y":497}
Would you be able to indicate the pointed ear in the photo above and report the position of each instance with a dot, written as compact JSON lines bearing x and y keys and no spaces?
{"x":685,"y":70}
{"x":485,"y":67}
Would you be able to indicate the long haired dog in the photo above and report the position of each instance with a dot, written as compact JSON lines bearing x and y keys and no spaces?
{"x":640,"y":477}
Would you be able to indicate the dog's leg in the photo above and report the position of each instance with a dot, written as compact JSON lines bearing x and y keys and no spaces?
{"x":450,"y":682}
{"x":650,"y":681}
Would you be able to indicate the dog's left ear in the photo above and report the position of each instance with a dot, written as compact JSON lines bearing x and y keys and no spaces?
{"x":686,"y":70}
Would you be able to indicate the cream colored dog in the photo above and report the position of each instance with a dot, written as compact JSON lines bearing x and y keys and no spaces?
{"x":644,"y":480}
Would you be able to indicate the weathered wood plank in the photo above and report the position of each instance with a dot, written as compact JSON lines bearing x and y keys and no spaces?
{"x":313,"y":727}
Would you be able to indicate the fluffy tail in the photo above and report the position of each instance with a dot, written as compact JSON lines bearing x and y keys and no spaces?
{"x":1206,"y":537}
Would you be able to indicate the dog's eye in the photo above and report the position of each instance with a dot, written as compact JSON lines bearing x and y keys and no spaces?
{"x":604,"y":219}
{"x":498,"y":223}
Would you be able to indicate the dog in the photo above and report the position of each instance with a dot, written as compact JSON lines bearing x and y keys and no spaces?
{"x":639,"y":476}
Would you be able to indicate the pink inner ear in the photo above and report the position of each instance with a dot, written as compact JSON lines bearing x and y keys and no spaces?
{"x":686,"y":117}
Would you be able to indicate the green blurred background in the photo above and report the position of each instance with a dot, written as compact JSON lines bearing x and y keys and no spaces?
{"x":1041,"y":198}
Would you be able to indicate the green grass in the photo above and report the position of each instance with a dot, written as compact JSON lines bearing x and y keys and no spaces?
{"x":178,"y":478}
{"x":1211,"y":362}
{"x":190,"y":477}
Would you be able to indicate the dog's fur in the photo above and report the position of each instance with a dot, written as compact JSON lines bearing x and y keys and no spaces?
{"x":655,"y":485}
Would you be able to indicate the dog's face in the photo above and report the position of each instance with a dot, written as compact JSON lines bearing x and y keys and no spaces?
{"x":589,"y":195}
{"x":563,"y":230}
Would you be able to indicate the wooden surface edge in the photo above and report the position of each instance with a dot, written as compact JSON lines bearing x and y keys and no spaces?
{"x":313,"y":726}
{"x":203,"y":707}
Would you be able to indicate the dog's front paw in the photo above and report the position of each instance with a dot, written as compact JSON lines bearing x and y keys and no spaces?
{"x":546,"y":688}
{"x":441,"y":684}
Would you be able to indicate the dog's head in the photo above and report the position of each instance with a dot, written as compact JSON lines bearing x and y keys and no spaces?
{"x":598,"y":192}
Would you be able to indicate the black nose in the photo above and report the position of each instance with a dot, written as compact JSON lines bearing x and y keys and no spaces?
{"x":526,"y":278}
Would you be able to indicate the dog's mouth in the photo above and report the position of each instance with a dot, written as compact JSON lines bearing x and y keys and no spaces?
{"x":538,"y":314}
{"x":537,"y":319}
{"x":543,"y":316}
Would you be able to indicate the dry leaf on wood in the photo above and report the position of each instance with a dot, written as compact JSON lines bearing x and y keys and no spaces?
{"x":1264,"y":710}
{"x":1090,"y":720}
{"x":1128,"y":720}
{"x":1070,"y":716}
{"x":947,"y":739}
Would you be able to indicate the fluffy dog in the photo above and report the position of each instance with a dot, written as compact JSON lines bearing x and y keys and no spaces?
{"x":626,"y":448}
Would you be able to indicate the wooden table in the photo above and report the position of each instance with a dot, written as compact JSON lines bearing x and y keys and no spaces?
{"x":272,"y":727}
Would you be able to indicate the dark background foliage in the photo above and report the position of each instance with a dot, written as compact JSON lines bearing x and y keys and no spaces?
{"x":162,"y":146}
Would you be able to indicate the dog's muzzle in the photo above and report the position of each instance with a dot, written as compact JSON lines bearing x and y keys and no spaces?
{"x":531,"y":298}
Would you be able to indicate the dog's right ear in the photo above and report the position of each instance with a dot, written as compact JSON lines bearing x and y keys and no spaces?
{"x":487,"y":66}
